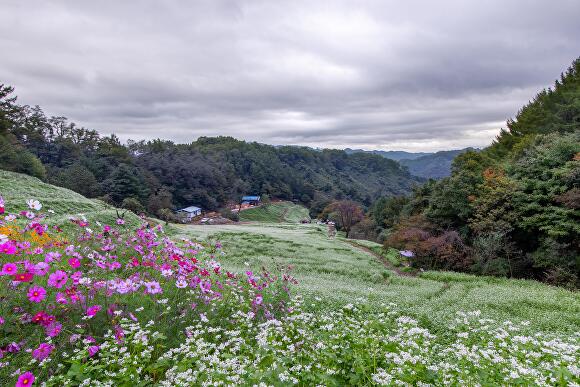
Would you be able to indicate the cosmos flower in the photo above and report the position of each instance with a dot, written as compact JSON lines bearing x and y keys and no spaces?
{"x":43,"y":351}
{"x":9,"y":269}
{"x":25,"y":380}
{"x":74,"y":262}
{"x":36,"y":294}
{"x":53,"y":329}
{"x":7,"y":248}
{"x":57,"y":279}
{"x":93,"y":349}
{"x":153,"y":287}
{"x":23,"y":277}
{"x":41,"y":268}
{"x":93,"y":310}
{"x":34,"y":204}
{"x":52,"y":256}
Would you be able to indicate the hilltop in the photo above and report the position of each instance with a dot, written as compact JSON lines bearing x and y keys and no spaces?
{"x":209,"y":173}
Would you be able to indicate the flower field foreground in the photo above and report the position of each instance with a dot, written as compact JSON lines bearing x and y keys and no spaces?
{"x":118,"y":307}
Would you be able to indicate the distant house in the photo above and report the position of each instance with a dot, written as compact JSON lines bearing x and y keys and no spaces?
{"x":188,"y":213}
{"x":251,"y":200}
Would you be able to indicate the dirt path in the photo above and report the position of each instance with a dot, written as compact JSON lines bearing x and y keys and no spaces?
{"x":383,"y":260}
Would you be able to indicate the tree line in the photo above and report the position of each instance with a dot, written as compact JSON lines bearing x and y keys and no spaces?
{"x":158,"y":176}
{"x":512,"y":209}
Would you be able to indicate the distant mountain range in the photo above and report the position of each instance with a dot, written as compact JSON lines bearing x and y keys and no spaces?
{"x":393,"y":155}
{"x":429,"y":165}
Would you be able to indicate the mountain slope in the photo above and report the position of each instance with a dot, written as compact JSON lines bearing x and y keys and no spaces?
{"x":433,"y":166}
{"x":17,"y":188}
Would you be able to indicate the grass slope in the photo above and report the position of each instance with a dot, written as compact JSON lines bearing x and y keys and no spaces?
{"x":17,"y":188}
{"x":280,"y":212}
{"x":333,"y":269}
{"x":339,"y":273}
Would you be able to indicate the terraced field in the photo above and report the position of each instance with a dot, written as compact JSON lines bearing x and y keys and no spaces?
{"x":339,"y":272}
{"x":280,"y":212}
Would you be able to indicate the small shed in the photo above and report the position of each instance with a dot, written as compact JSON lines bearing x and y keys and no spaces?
{"x":188,"y":213}
{"x":251,"y":200}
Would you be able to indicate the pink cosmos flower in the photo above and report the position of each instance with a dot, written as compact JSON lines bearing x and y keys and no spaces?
{"x":53,"y":329}
{"x":153,"y":287}
{"x":1,"y":320}
{"x":57,"y":279}
{"x":43,"y":351}
{"x":181,"y":283}
{"x":41,"y":268}
{"x":25,"y":380}
{"x":9,"y":269}
{"x":93,"y":349}
{"x":61,"y":298}
{"x":7,"y":248}
{"x":36,"y":293}
{"x":51,"y":257}
{"x":74,"y":262}
{"x":1,"y":205}
{"x":120,"y":221}
{"x":93,"y":310}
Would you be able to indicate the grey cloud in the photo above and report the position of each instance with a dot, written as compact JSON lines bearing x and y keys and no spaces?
{"x":413,"y":75}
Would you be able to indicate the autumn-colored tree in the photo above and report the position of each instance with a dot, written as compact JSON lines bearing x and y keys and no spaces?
{"x":345,"y":213}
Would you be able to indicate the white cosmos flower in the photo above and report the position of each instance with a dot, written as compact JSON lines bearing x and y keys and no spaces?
{"x":34,"y":204}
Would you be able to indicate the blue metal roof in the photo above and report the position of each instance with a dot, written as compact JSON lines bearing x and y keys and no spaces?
{"x":250,"y":198}
{"x":190,"y":209}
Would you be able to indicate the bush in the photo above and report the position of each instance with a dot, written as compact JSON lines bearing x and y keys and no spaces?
{"x":133,"y":205}
{"x":229,"y":214}
{"x":168,"y":216}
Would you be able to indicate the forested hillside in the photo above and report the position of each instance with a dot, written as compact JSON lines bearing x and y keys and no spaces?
{"x":512,"y":209}
{"x":150,"y":176}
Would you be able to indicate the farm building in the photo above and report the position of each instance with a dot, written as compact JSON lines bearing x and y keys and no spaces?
{"x":188,"y":213}
{"x":252,"y":200}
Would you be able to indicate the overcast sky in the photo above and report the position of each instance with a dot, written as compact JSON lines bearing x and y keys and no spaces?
{"x":409,"y":75}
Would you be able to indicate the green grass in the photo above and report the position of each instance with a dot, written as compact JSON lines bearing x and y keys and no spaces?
{"x":391,"y":255}
{"x":280,"y":212}
{"x":17,"y":188}
{"x":334,"y":270}
{"x":339,"y":273}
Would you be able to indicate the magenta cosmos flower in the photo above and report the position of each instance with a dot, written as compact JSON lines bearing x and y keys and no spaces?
{"x":43,"y":351}
{"x":93,"y":310}
{"x":53,"y":329}
{"x":93,"y":349}
{"x":9,"y":269}
{"x":7,"y":248}
{"x":25,"y":380}
{"x":36,"y":293}
{"x":57,"y":279}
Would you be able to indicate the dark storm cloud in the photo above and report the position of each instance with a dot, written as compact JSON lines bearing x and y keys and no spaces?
{"x":413,"y":75}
